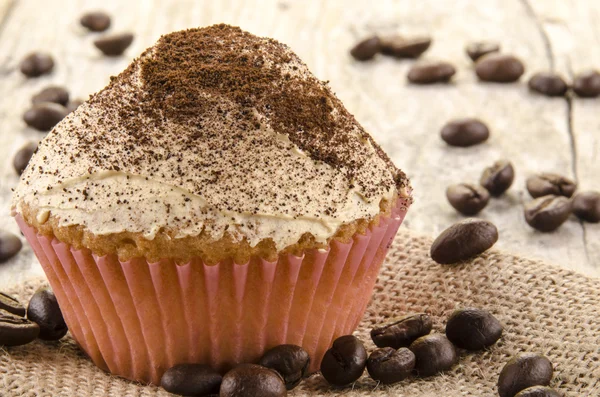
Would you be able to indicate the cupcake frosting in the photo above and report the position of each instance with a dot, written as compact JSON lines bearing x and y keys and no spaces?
{"x":211,"y":130}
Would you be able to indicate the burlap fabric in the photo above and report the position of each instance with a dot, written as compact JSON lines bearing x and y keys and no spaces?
{"x":544,"y":309}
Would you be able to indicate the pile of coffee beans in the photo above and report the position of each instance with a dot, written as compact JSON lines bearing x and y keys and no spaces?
{"x":42,"y":319}
{"x":52,"y":104}
{"x":489,"y":63}
{"x":554,"y":202}
{"x":395,"y":46}
{"x":467,"y":198}
{"x":280,"y":369}
{"x":406,"y":347}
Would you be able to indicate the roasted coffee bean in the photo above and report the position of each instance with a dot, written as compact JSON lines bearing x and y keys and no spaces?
{"x":252,"y":380}
{"x":96,"y":21}
{"x":115,"y":44}
{"x":191,"y":380}
{"x":586,"y":205}
{"x":498,"y":178}
{"x":499,"y":68}
{"x":404,"y":47}
{"x":478,"y":49}
{"x":10,"y":245}
{"x":345,"y":362}
{"x":434,"y":354}
{"x":37,"y":64}
{"x":538,"y":391}
{"x":465,"y":132}
{"x":74,"y":104}
{"x":546,"y":183}
{"x":43,"y":310}
{"x":366,"y":49}
{"x":548,"y":84}
{"x":473,"y":329}
{"x":547,"y":213}
{"x":290,"y":361}
{"x":431,"y":72}
{"x":23,"y":156}
{"x":467,"y":198}
{"x":523,"y":371}
{"x":587,"y":84}
{"x":16,"y":331}
{"x":11,"y":305}
{"x":44,"y":116}
{"x":54,"y":93}
{"x":463,"y":240}
{"x":389,"y":365}
{"x":402,"y":332}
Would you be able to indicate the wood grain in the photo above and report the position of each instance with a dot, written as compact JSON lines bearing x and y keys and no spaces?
{"x":536,"y":133}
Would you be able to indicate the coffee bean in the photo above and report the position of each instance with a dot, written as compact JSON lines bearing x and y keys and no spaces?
{"x":547,"y":213}
{"x":44,"y":116}
{"x":10,"y":245}
{"x":15,"y":330}
{"x":499,"y":68}
{"x":467,"y":198}
{"x":498,"y":178}
{"x":431,"y":72}
{"x":96,"y":21}
{"x":389,"y":365}
{"x":463,"y":240}
{"x":473,"y":329}
{"x":11,"y":305}
{"x":478,"y":49}
{"x":252,"y":380}
{"x":43,"y":310}
{"x":546,"y":183}
{"x":23,"y":156}
{"x":191,"y":380}
{"x":114,"y":44}
{"x":345,"y":362}
{"x":290,"y":361}
{"x":538,"y":391}
{"x":404,"y":47}
{"x":434,"y":354}
{"x":465,"y":132}
{"x":523,"y":371}
{"x":366,"y":49}
{"x":74,"y":104}
{"x":586,"y":205}
{"x":548,"y":84}
{"x":587,"y":84}
{"x":53,"y":93}
{"x":402,"y":332}
{"x":37,"y":64}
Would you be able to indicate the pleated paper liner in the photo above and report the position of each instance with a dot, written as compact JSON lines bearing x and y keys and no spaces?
{"x":137,"y":318}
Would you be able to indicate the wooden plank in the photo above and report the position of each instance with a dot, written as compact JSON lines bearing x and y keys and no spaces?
{"x":533,"y":132}
{"x":574,"y":36}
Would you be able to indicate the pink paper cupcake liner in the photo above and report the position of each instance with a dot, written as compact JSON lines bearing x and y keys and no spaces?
{"x":136,"y":318}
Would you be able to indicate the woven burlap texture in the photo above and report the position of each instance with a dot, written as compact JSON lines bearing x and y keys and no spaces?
{"x":544,"y":309}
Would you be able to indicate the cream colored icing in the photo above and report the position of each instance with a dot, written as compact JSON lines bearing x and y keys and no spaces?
{"x":89,"y":171}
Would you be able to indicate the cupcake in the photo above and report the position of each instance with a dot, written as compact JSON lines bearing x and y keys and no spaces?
{"x":213,"y":201}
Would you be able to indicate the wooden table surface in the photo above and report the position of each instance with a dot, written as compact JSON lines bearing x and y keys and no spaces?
{"x":536,"y":133}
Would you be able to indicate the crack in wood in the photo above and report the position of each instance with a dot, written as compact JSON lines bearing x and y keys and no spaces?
{"x":547,"y":43}
{"x":569,"y":101}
